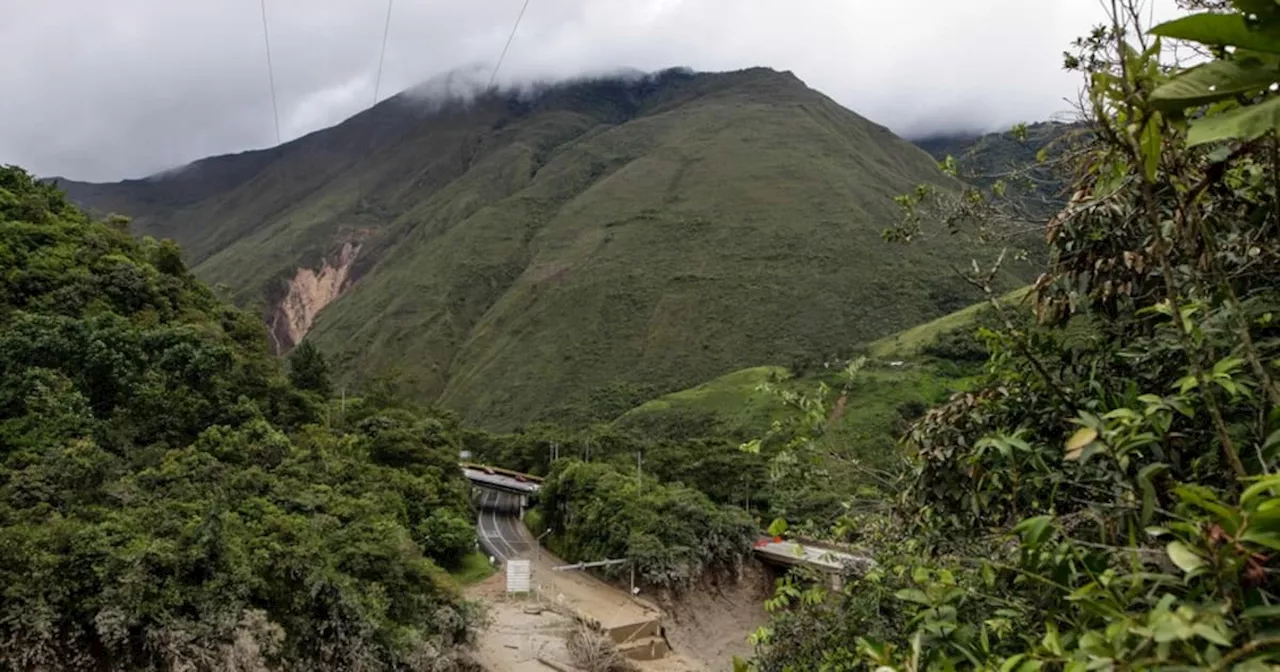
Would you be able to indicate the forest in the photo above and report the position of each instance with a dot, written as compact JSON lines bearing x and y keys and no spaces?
{"x":172,"y":498}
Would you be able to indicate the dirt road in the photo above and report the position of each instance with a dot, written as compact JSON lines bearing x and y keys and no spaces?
{"x":516,"y":638}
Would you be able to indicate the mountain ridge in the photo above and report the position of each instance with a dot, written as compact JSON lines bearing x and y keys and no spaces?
{"x":512,"y":254}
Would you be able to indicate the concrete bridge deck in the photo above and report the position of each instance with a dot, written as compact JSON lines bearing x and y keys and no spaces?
{"x":500,"y":480}
{"x":821,"y":558}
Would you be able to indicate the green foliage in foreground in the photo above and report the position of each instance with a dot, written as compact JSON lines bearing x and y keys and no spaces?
{"x":674,"y":534}
{"x":167,"y":501}
{"x":1107,"y":498}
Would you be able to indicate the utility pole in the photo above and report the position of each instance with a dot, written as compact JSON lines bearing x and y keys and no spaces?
{"x":639,"y":469}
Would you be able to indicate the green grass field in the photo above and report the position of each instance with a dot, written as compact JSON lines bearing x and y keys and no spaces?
{"x":909,"y":342}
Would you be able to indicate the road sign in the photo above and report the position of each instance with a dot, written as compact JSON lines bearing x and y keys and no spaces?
{"x":518,"y":576}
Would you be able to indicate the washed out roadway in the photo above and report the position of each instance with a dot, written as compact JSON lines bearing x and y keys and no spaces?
{"x":504,"y":536}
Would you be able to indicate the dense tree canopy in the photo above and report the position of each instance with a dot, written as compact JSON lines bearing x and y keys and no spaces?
{"x":672,"y":533}
{"x":168,"y":499}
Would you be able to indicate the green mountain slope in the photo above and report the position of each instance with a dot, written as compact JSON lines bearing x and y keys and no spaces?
{"x":1016,"y":158}
{"x":515,"y":255}
{"x":899,"y":370}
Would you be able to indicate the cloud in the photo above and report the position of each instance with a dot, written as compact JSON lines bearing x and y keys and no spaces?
{"x":108,"y":90}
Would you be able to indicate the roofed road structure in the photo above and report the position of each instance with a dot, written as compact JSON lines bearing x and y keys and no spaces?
{"x":504,"y":481}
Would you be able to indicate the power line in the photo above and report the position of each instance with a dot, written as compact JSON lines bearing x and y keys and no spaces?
{"x":386,"y":29}
{"x":271,"y":73}
{"x":510,"y":37}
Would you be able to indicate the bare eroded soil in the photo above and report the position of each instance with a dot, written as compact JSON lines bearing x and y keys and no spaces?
{"x":706,"y":627}
{"x":515,"y":638}
{"x":710,"y":624}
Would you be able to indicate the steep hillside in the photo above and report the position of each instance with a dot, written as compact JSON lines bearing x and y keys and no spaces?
{"x":1024,"y":160}
{"x":905,"y":367}
{"x":518,"y":254}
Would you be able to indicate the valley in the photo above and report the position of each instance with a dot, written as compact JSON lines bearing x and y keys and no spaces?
{"x":750,"y":381}
{"x":578,"y":243}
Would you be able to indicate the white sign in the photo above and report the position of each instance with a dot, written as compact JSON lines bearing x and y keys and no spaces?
{"x":518,"y":575}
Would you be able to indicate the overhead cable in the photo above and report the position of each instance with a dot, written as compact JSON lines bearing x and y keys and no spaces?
{"x":271,"y":74}
{"x":510,"y":37}
{"x":382,"y":55}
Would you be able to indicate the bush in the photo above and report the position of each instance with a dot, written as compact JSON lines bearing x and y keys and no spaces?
{"x":673,"y":533}
{"x":593,"y":650}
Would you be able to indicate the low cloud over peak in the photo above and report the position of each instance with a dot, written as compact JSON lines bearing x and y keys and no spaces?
{"x":105,"y":91}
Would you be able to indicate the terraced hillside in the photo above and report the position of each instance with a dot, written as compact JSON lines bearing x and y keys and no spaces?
{"x":518,"y":255}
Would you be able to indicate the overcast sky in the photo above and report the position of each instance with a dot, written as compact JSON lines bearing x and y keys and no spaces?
{"x":109,"y":89}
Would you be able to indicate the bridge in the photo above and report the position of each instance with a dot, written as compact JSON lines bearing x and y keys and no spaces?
{"x":825,"y":558}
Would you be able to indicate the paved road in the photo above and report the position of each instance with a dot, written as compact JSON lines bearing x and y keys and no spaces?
{"x":501,"y":531}
{"x":503,"y":535}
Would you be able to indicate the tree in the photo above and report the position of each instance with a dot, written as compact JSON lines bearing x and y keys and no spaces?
{"x":309,"y":370}
{"x":1105,"y":498}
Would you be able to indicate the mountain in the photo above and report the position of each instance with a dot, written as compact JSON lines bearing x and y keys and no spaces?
{"x":1015,"y":157}
{"x":517,"y":255}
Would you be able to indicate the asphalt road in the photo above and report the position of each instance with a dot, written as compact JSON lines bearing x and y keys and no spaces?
{"x":501,"y":532}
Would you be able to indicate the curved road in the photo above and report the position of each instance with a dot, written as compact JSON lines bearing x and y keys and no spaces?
{"x":501,"y":531}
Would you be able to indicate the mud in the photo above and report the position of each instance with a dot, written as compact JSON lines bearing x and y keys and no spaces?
{"x":309,"y":292}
